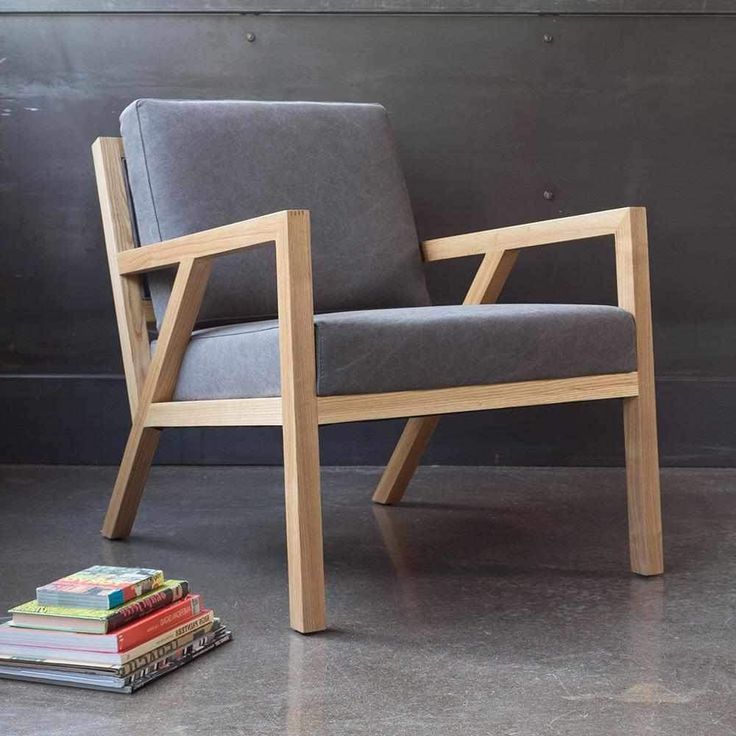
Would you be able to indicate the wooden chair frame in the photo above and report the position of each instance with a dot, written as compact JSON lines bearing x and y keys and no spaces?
{"x":299,"y":411}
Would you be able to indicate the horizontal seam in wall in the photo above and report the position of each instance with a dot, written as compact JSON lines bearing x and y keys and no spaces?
{"x":608,"y":13}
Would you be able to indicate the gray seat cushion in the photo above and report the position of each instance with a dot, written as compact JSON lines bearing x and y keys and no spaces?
{"x":193,"y":165}
{"x":417,"y":348}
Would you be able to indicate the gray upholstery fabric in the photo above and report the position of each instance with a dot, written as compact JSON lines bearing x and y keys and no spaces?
{"x":194,"y":165}
{"x":416,"y":348}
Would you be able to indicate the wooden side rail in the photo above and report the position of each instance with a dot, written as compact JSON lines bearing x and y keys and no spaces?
{"x":154,"y":383}
{"x":499,"y":247}
{"x":368,"y":407}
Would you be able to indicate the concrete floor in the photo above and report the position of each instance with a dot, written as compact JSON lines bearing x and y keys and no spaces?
{"x":494,"y":601}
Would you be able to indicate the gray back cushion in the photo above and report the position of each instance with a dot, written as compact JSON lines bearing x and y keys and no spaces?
{"x":195,"y":165}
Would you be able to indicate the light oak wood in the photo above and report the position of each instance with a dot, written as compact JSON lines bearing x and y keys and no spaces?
{"x":640,"y":420}
{"x":360,"y":407}
{"x":300,"y":430}
{"x":148,"y":313}
{"x":484,"y":289}
{"x":264,"y":412}
{"x":181,"y":312}
{"x":209,"y":243}
{"x":405,"y":459}
{"x":491,"y":277}
{"x":562,"y":230}
{"x":369,"y":407}
{"x":130,"y":311}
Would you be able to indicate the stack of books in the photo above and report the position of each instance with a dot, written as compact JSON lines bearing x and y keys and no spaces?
{"x":108,"y":628}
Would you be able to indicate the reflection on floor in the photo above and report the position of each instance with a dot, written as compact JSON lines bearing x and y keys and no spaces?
{"x":493,"y":601}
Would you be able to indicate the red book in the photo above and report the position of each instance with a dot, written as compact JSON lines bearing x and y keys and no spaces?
{"x":134,"y":634}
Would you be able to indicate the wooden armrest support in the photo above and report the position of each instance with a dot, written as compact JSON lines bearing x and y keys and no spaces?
{"x":153,"y":379}
{"x":499,"y":247}
{"x":206,"y":244}
{"x":545,"y":232}
{"x":628,"y":226}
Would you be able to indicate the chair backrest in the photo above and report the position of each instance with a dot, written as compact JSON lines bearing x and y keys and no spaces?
{"x":194,"y":165}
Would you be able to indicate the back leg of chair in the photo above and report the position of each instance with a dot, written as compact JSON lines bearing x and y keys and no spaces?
{"x":405,"y":459}
{"x":131,"y":479}
{"x":485,"y":288}
{"x":181,"y":311}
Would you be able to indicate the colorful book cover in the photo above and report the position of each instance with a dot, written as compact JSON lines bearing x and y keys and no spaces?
{"x":97,"y":621}
{"x":133,"y":634}
{"x":100,"y":586}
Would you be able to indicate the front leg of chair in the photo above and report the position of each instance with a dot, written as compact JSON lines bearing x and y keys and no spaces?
{"x":640,"y":415}
{"x":304,"y":525}
{"x":642,"y":479}
{"x":300,"y":425}
{"x":640,"y":432}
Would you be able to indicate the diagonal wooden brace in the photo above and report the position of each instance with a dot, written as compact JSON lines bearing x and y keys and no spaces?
{"x":486,"y":287}
{"x":181,"y":314}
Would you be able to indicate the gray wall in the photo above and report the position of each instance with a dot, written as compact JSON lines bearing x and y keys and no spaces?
{"x":620,"y":108}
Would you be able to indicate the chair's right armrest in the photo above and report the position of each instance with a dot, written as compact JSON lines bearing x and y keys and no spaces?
{"x":206,"y":244}
{"x":561,"y":230}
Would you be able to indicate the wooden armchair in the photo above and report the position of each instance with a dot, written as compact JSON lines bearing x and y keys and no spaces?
{"x":374,"y":348}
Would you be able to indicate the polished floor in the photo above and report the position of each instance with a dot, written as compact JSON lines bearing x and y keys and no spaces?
{"x":494,"y":601}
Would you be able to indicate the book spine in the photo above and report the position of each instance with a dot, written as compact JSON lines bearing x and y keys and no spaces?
{"x":158,"y":623}
{"x":149,"y":604}
{"x":164,"y":643}
{"x":118,"y":597}
{"x":165,"y":650}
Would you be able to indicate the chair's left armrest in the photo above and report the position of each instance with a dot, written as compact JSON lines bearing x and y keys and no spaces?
{"x":208,"y":243}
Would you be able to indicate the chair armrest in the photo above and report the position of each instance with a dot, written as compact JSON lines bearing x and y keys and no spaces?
{"x":154,"y":379}
{"x":545,"y":232}
{"x":206,"y":244}
{"x":500,"y":247}
{"x":192,"y":255}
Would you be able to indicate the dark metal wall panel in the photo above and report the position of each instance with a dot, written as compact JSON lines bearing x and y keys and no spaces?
{"x":613,"y":111}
